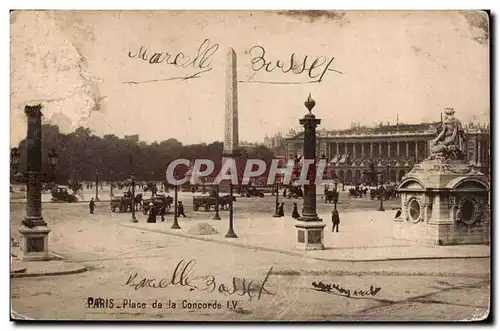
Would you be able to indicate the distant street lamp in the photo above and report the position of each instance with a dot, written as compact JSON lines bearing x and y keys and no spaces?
{"x":176,"y":188}
{"x":381,"y":196}
{"x":230,"y":232}
{"x":96,"y":185}
{"x":53,"y":158}
{"x":216,"y":216}
{"x":276,"y":211}
{"x":132,"y":179}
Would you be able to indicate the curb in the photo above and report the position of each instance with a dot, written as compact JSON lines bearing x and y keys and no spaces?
{"x":296,"y":254}
{"x":52,"y":273}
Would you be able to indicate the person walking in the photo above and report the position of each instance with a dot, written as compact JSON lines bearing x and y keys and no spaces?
{"x":180,"y":209}
{"x":151,"y":213}
{"x":163,"y":212}
{"x":335,"y":220}
{"x":295,"y":211}
{"x":282,"y":210}
{"x":91,"y":205}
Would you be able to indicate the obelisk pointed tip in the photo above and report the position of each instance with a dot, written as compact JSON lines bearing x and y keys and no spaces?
{"x":231,"y":51}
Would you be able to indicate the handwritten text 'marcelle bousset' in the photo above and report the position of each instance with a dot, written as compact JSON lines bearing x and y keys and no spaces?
{"x":314,"y":69}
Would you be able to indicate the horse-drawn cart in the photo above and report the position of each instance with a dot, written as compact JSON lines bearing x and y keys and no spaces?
{"x":121,"y":204}
{"x":159,"y":202}
{"x":331,"y":197}
{"x":204,"y":201}
{"x":61,"y":194}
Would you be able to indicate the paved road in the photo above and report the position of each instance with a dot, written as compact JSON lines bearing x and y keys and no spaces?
{"x":116,"y":253}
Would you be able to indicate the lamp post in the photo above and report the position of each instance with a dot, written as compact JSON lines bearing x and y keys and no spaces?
{"x":33,"y":229}
{"x":309,"y":226}
{"x":276,"y":209}
{"x":381,"y":197}
{"x":132,"y":179}
{"x":176,"y":188}
{"x":96,"y":185}
{"x":216,"y":216}
{"x":111,"y":184}
{"x":230,"y":232}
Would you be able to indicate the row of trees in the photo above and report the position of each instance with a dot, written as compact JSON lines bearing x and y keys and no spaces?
{"x":82,"y":154}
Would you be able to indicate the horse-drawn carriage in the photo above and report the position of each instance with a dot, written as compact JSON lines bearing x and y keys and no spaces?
{"x":121,"y":203}
{"x":209,"y":201}
{"x":358,"y":192}
{"x":159,"y":202}
{"x":205,"y":201}
{"x":60,"y":194}
{"x":331,"y":197}
{"x":252,"y":191}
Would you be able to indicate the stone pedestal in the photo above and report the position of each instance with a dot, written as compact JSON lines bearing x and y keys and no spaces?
{"x":34,"y":243}
{"x":444,"y":202}
{"x":310,"y":234}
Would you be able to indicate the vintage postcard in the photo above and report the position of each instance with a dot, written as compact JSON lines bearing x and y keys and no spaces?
{"x":250,"y":165}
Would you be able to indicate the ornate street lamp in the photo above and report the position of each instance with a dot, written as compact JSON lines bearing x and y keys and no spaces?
{"x":216,"y":216}
{"x":132,"y":179}
{"x":176,"y":190}
{"x":230,"y":232}
{"x":33,"y":229}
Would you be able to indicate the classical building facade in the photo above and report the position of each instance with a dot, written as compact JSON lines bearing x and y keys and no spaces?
{"x":393,"y":149}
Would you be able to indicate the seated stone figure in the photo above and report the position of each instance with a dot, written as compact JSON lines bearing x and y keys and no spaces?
{"x":450,"y":140}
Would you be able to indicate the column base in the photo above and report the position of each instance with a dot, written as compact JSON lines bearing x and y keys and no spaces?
{"x":34,"y":243}
{"x":310,"y":233}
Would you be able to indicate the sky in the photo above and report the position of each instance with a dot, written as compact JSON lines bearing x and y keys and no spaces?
{"x":85,"y":68}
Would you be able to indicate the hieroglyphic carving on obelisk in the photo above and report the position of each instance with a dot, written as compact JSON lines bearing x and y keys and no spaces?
{"x":231,"y":114}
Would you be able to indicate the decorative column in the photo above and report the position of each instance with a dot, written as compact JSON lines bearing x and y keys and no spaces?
{"x":338,"y":150}
{"x":362,"y":149}
{"x":309,"y":226}
{"x":380,"y":149}
{"x":397,"y":148}
{"x":34,"y":232}
{"x":389,"y":150}
{"x":407,"y":149}
{"x":371,"y":150}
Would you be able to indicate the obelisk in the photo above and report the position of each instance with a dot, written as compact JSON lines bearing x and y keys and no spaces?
{"x":231,"y":114}
{"x":230,"y":149}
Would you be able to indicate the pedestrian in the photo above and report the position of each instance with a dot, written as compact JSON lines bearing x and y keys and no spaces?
{"x":335,"y":220}
{"x":284,"y":193}
{"x":282,"y":210}
{"x":91,"y":205}
{"x":163,"y":212}
{"x":151,"y":213}
{"x":295,"y":211}
{"x":180,"y":209}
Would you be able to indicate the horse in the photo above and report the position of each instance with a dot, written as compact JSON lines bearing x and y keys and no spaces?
{"x":224,"y":201}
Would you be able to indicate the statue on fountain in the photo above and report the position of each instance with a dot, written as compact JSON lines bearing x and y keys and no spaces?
{"x":449,"y":143}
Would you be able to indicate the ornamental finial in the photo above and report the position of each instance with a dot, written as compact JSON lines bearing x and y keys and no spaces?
{"x":310,"y":103}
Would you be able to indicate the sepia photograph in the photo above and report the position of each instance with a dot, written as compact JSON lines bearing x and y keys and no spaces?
{"x":244,"y":166}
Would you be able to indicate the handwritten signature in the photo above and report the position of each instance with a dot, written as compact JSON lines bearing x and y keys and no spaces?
{"x":201,"y":62}
{"x":316,"y":70}
{"x":357,"y":293}
{"x":181,"y":276}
